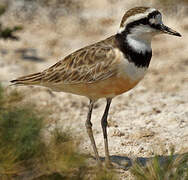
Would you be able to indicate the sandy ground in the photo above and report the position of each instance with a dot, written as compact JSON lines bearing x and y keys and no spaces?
{"x":147,"y":120}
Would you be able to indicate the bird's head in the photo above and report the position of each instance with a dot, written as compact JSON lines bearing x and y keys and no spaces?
{"x":144,"y":22}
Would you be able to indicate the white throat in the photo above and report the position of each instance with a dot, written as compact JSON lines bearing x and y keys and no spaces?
{"x":140,"y":38}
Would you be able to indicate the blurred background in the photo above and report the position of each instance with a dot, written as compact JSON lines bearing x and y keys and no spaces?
{"x":35,"y":34}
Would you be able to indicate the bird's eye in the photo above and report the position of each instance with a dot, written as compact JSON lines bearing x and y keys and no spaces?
{"x":156,"y":19}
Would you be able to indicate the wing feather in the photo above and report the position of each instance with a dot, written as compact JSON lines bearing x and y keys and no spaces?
{"x":87,"y":65}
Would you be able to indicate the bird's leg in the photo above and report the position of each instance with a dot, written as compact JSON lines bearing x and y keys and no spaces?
{"x":104,"y":126}
{"x":88,"y":125}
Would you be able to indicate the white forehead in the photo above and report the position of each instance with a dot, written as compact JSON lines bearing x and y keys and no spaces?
{"x":135,"y":18}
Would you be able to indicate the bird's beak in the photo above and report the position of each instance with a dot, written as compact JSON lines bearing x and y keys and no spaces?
{"x":168,"y":30}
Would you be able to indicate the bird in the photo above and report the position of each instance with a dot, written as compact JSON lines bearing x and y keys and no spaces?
{"x":106,"y":68}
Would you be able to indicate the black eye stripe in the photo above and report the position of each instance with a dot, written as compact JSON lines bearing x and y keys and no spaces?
{"x":153,"y":14}
{"x":143,"y":21}
{"x":156,"y":26}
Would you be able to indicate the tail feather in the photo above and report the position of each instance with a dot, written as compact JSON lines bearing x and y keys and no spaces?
{"x":31,"y":79}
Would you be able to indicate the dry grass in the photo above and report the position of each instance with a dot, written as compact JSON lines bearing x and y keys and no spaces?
{"x":23,"y":150}
{"x":174,"y":167}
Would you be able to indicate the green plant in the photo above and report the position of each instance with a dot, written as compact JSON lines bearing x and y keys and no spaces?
{"x":7,"y":32}
{"x":62,"y":157}
{"x":21,"y":128}
{"x":104,"y":174}
{"x":2,"y":9}
{"x":8,"y":163}
{"x":1,"y":96}
{"x":23,"y":151}
{"x":59,"y":136}
{"x":174,"y":167}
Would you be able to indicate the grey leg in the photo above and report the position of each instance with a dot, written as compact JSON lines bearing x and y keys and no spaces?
{"x":88,"y":125}
{"x":104,"y":126}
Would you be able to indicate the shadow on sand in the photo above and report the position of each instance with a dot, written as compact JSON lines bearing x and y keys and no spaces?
{"x":125,"y":162}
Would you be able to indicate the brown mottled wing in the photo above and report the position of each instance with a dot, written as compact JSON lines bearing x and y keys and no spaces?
{"x":87,"y":65}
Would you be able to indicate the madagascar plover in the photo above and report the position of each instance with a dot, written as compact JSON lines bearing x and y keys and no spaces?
{"x":107,"y":68}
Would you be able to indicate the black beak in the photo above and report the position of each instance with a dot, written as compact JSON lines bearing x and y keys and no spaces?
{"x":168,"y":30}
